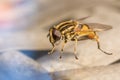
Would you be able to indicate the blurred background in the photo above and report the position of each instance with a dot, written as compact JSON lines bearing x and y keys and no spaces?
{"x":24,"y":26}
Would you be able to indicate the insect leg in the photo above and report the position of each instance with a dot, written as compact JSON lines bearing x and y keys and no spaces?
{"x":52,"y":49}
{"x":75,"y":51}
{"x":98,"y":44}
{"x":63,"y":44}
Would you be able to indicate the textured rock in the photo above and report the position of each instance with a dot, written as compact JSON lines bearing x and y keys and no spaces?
{"x":111,"y":72}
{"x":16,"y":66}
{"x":102,"y":12}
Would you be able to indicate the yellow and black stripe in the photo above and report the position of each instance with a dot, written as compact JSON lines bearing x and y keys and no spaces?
{"x":67,"y":27}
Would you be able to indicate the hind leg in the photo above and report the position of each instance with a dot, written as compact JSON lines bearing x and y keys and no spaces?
{"x":75,"y":49}
{"x":99,"y":47}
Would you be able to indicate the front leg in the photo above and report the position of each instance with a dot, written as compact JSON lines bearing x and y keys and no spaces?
{"x":52,"y":49}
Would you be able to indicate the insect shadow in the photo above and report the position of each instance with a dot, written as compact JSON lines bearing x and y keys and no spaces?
{"x":35,"y":54}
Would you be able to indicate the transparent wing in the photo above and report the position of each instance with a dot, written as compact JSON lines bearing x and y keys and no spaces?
{"x":83,"y":18}
{"x":99,"y":27}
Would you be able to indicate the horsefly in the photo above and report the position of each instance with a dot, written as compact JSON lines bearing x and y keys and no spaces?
{"x":73,"y":30}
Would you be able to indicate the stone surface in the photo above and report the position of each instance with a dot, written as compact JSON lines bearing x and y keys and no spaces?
{"x":110,"y":72}
{"x":88,"y":53}
{"x":16,"y":66}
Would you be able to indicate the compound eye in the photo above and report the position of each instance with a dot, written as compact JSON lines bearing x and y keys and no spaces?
{"x":56,"y":35}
